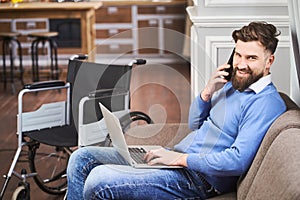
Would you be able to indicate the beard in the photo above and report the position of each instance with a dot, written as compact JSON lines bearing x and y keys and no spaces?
{"x":241,"y":84}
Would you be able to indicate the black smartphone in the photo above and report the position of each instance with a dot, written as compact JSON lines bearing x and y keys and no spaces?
{"x":230,"y":69}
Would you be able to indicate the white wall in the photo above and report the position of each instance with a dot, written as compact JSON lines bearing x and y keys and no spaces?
{"x":213,"y":22}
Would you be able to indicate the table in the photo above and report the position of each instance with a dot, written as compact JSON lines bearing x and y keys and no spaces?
{"x":85,"y":11}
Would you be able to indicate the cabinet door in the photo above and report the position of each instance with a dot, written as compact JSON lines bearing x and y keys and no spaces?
{"x":161,"y":28}
{"x":173,"y":35}
{"x":148,"y":36}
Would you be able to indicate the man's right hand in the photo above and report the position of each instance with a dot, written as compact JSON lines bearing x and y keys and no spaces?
{"x":215,"y":83}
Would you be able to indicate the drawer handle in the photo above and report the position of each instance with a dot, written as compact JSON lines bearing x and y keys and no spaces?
{"x":113,"y":31}
{"x":112,"y":10}
{"x":160,"y":9}
{"x":152,"y":22}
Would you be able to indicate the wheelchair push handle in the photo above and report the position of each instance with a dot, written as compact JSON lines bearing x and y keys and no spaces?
{"x":137,"y":62}
{"x":79,"y":57}
{"x":140,"y":62}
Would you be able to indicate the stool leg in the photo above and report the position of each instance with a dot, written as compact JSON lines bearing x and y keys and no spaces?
{"x":53,"y":53}
{"x":56,"y":62}
{"x":34,"y":55}
{"x":37,"y":74}
{"x":51,"y":59}
{"x":13,"y":89}
{"x":33,"y":60}
{"x":4,"y":62}
{"x":20,"y":60}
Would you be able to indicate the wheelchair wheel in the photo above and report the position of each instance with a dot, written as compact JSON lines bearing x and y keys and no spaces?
{"x":20,"y":193}
{"x":50,"y":164}
{"x":134,"y":117}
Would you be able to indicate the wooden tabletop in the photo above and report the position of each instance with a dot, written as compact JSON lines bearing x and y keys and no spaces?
{"x":51,"y":6}
{"x":142,"y":2}
{"x":94,"y":4}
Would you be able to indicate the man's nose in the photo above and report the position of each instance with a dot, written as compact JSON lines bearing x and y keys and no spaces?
{"x":242,"y":63}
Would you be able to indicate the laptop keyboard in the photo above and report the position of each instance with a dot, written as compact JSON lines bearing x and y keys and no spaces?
{"x":137,"y":154}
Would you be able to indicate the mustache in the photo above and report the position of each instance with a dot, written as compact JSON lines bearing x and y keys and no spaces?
{"x":245,"y":70}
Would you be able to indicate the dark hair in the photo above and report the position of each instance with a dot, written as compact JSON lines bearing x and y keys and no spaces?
{"x":258,"y":31}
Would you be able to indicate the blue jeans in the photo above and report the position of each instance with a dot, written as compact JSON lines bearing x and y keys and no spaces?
{"x":101,"y":173}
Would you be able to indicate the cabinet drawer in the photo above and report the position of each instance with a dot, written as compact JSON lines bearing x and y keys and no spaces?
{"x":5,"y":26}
{"x":113,"y":14}
{"x":148,"y":23}
{"x":175,"y":24}
{"x":114,"y":48}
{"x":174,"y":35}
{"x":24,"y":38}
{"x":170,"y":9}
{"x":115,"y":33}
{"x":31,"y":25}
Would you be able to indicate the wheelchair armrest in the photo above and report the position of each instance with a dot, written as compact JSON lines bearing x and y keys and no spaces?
{"x":44,"y":84}
{"x":107,"y":92}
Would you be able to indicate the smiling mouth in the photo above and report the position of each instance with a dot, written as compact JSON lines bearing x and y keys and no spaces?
{"x":244,"y":72}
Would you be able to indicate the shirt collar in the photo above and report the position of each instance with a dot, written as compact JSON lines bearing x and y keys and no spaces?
{"x":259,"y":85}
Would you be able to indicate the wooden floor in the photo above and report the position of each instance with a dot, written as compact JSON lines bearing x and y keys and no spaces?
{"x":162,"y":91}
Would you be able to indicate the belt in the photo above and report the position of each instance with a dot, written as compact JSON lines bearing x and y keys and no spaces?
{"x":210,"y":190}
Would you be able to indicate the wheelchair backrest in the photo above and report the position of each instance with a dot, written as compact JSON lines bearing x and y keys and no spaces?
{"x":86,"y":77}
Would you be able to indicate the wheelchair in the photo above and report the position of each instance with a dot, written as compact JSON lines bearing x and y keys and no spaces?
{"x":54,"y":130}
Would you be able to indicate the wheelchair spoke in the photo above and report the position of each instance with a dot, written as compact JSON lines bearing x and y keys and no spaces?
{"x":54,"y":160}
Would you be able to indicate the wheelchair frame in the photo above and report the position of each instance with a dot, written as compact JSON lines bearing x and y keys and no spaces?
{"x":59,"y":119}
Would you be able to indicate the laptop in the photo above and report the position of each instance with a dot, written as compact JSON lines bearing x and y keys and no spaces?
{"x":133,"y":154}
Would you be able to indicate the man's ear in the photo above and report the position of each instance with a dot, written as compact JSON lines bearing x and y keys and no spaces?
{"x":270,"y":61}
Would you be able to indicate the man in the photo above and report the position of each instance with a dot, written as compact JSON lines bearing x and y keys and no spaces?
{"x":229,"y":120}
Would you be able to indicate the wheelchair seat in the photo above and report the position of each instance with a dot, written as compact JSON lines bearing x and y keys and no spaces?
{"x":61,"y":136}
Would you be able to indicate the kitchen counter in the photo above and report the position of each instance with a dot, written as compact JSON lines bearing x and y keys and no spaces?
{"x":142,"y":2}
{"x":85,"y":11}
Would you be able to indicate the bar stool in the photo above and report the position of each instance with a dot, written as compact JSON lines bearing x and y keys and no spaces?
{"x":43,"y":37}
{"x":8,"y":40}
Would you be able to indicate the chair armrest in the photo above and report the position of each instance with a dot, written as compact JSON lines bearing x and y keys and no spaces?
{"x":44,"y":84}
{"x":166,"y":135}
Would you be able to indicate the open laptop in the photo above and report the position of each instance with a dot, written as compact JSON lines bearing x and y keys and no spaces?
{"x":133,"y":154}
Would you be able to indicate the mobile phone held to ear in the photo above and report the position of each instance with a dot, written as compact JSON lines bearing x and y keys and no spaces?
{"x":230,"y":69}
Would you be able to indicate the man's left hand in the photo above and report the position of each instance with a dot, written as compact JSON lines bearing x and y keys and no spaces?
{"x":166,"y":157}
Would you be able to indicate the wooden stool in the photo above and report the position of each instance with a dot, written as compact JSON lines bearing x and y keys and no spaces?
{"x":44,"y":37}
{"x":8,"y":40}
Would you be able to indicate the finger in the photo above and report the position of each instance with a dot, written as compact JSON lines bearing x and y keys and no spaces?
{"x":222,"y":67}
{"x":227,"y":66}
{"x":223,"y":73}
{"x":148,"y":156}
{"x":155,"y":161}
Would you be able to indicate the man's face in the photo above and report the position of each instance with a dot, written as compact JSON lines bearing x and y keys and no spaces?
{"x":251,"y":62}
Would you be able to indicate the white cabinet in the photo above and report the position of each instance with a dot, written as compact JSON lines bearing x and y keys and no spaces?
{"x":139,"y":29}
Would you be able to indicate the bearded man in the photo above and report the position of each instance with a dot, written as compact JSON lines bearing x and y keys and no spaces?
{"x":228,"y":121}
